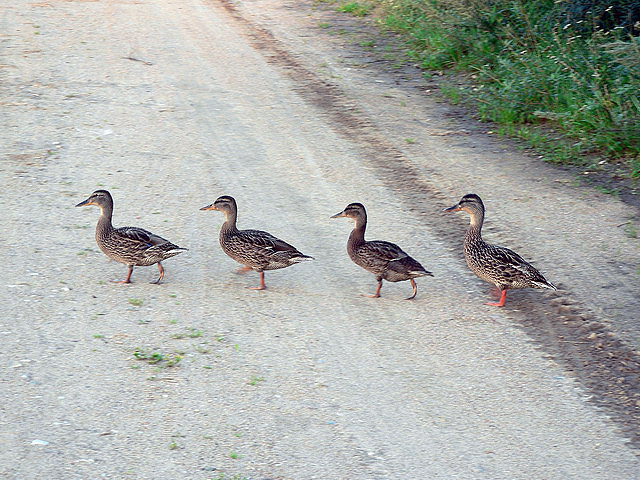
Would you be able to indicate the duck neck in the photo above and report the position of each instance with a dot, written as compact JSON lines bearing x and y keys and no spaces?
{"x":229,"y":225}
{"x":104,"y":222}
{"x":357,"y":235}
{"x":474,"y":234}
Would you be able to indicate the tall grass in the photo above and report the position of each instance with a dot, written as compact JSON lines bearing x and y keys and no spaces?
{"x":574,"y":64}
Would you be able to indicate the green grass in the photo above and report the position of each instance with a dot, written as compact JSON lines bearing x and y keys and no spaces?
{"x":255,"y":380}
{"x":541,"y":62}
{"x":631,"y":230}
{"x":157,"y":358}
{"x":235,"y":455}
{"x":357,"y":9}
{"x":191,"y":333}
{"x":136,"y":302}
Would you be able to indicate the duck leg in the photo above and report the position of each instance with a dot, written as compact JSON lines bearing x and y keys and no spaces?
{"x":161,"y":268}
{"x":128,"y":279}
{"x":415,"y":289}
{"x":377,"y":294}
{"x":244,"y":269}
{"x":503,"y":298}
{"x":262,"y":284}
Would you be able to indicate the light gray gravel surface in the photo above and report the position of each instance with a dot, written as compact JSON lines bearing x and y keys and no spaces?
{"x":169,"y":105}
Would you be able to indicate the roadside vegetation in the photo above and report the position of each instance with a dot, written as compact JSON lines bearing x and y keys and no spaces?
{"x":562,"y":75}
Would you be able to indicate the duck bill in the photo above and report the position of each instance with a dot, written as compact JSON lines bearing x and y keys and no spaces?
{"x":209,"y":207}
{"x":84,"y":203}
{"x":338,"y":215}
{"x":454,"y":208}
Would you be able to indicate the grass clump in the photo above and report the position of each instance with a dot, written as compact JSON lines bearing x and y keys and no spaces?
{"x":572,"y":65}
{"x":357,"y":9}
{"x":157,"y":358}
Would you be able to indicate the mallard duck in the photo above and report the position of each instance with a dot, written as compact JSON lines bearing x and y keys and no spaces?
{"x":498,"y":265}
{"x":132,"y":246}
{"x":255,"y":249}
{"x":385,"y":260}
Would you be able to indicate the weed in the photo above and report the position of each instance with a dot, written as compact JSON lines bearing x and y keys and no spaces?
{"x":608,"y":191}
{"x":235,"y":455}
{"x":192,"y":333}
{"x":173,"y":295}
{"x":410,"y":141}
{"x":136,"y":302}
{"x":367,"y":44}
{"x":208,"y":367}
{"x":358,"y":9}
{"x":324,"y":25}
{"x":97,"y":335}
{"x":255,"y":380}
{"x":201,"y":349}
{"x":173,"y":445}
{"x":453,"y":94}
{"x":158,"y":358}
{"x":631,"y":230}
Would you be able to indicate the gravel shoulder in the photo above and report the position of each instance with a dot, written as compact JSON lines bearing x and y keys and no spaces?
{"x":169,"y":105}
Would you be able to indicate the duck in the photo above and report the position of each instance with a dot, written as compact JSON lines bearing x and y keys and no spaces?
{"x":133,"y":246}
{"x":254,"y":249}
{"x":385,"y":260}
{"x":498,"y":265}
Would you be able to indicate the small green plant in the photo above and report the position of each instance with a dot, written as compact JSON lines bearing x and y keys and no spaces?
{"x":608,"y":191}
{"x":235,"y":455}
{"x":453,"y":94}
{"x":631,"y":230}
{"x":173,"y":445}
{"x":324,"y":25}
{"x":97,"y":335}
{"x":136,"y":302}
{"x":358,"y":9}
{"x":157,"y":358}
{"x":255,"y":380}
{"x":410,"y":141}
{"x":367,"y":44}
{"x":192,"y":333}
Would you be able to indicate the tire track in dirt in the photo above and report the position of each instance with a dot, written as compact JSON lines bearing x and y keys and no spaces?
{"x":607,"y":368}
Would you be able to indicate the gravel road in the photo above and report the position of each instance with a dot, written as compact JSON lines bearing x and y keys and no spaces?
{"x":171,"y":104}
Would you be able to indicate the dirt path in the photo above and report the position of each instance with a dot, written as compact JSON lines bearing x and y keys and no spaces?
{"x":169,"y":105}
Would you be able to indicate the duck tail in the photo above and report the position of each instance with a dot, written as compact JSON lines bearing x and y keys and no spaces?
{"x":545,"y":284}
{"x":302,"y":258}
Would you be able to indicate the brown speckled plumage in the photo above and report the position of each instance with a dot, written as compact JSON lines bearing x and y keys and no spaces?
{"x":498,"y":265}
{"x":255,"y":249}
{"x":385,"y":260}
{"x":132,"y":246}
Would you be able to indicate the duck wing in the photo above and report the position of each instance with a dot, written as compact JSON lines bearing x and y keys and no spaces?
{"x":385,"y":251}
{"x":140,"y":236}
{"x":264,"y":241}
{"x":512,"y":267}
